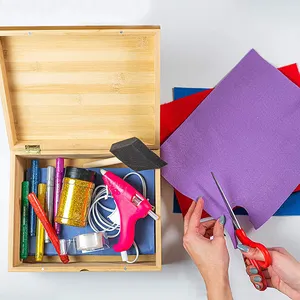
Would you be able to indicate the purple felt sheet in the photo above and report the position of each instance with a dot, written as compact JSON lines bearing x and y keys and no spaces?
{"x":247,"y":131}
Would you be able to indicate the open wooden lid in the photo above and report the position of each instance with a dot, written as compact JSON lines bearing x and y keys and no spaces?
{"x":80,"y":88}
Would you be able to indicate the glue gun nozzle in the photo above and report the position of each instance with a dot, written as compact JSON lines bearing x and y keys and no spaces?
{"x":153,"y":215}
{"x":102,"y":171}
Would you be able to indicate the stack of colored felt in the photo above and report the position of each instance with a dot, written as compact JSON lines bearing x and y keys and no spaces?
{"x":246,"y":132}
{"x":173,"y":114}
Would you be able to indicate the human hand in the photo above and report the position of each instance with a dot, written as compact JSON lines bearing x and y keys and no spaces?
{"x":283,"y":274}
{"x":210,"y":256}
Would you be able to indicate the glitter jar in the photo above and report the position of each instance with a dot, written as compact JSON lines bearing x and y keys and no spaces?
{"x":75,"y":197}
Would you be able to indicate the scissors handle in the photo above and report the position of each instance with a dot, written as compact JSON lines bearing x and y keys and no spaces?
{"x":254,"y":263}
{"x":258,"y":264}
{"x":241,"y":235}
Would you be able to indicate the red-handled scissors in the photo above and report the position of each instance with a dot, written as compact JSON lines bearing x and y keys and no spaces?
{"x":241,"y":235}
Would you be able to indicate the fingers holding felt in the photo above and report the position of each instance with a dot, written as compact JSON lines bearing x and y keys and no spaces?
{"x":208,"y":224}
{"x":209,"y":233}
{"x":219,"y":227}
{"x":188,"y":215}
{"x":208,"y":228}
{"x":194,"y":221}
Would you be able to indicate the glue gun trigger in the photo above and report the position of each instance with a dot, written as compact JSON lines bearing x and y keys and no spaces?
{"x":136,"y":200}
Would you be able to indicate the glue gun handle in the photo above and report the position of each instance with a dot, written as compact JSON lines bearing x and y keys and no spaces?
{"x":126,"y":237}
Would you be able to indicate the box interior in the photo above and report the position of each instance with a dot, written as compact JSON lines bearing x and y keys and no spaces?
{"x":22,"y":162}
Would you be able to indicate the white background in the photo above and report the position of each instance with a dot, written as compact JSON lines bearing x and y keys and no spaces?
{"x":200,"y":42}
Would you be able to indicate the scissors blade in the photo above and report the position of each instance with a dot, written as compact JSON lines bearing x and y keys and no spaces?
{"x":234,"y":219}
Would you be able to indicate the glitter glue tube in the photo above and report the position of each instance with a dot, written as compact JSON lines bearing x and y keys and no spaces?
{"x":59,"y":174}
{"x":40,"y":232}
{"x":24,"y":220}
{"x":35,"y":178}
{"x":49,"y":197}
{"x":75,"y":197}
{"x":47,"y":226}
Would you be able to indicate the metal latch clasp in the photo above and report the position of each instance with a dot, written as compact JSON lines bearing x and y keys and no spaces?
{"x":33,"y":149}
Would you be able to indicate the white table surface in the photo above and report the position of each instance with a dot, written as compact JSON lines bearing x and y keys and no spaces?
{"x":200,"y":42}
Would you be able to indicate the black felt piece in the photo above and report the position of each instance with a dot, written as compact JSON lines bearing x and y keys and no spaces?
{"x":136,"y":155}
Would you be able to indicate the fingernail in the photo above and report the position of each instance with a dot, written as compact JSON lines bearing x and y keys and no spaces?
{"x":257,"y":279}
{"x":243,"y":248}
{"x":200,"y":197}
{"x":222,"y":220}
{"x":258,"y":286}
{"x":253,"y":271}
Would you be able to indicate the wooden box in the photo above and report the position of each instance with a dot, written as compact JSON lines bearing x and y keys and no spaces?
{"x":72,"y":92}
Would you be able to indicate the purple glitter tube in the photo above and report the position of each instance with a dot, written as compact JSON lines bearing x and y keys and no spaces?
{"x":59,"y":174}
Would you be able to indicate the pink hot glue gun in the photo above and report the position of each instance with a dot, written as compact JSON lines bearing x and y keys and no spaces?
{"x":131,"y":205}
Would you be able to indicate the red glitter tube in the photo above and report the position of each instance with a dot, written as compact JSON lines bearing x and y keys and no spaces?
{"x":48,"y":227}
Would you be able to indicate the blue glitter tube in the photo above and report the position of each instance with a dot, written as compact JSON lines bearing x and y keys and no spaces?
{"x":35,"y":179}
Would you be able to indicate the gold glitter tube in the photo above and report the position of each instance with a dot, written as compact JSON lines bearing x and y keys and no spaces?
{"x":75,"y":197}
{"x":40,"y":231}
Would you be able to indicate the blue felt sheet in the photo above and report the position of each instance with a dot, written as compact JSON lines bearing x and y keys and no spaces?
{"x":144,"y":234}
{"x":178,"y":93}
{"x":291,"y":207}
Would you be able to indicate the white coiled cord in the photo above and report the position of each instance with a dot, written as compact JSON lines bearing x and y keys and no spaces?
{"x":100,"y":223}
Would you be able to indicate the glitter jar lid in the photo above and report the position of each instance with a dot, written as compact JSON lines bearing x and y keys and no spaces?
{"x":81,"y":174}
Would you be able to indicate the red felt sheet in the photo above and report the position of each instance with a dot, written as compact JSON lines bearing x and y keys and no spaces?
{"x":174,"y":113}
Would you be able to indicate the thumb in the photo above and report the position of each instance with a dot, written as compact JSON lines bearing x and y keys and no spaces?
{"x":251,"y":253}
{"x":219,"y":227}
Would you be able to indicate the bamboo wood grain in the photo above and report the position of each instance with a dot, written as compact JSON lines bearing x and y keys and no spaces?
{"x":6,"y":100}
{"x":93,"y":259}
{"x":75,"y":30}
{"x":157,"y":89}
{"x":23,"y":99}
{"x":51,"y":154}
{"x":17,"y":168}
{"x":135,"y":47}
{"x":80,"y":145}
{"x":23,"y":80}
{"x":12,"y":262}
{"x":102,"y":163}
{"x":83,"y":89}
{"x":104,"y":66}
{"x":86,"y":267}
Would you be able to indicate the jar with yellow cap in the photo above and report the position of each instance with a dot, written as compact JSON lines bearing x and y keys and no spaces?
{"x":75,"y":198}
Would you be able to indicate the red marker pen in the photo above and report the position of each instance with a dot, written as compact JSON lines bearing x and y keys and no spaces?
{"x":48,"y":227}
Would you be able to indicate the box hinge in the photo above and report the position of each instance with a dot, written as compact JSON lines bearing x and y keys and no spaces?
{"x":33,"y":149}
